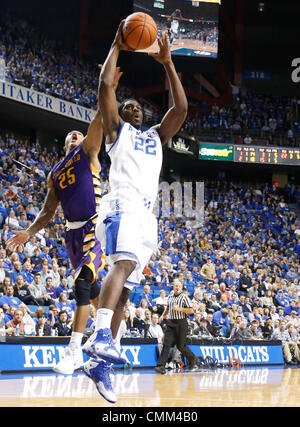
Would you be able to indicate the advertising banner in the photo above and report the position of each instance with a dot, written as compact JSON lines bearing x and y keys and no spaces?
{"x":22,"y":357}
{"x":46,"y":102}
{"x":246,"y":354}
{"x":216,"y":152}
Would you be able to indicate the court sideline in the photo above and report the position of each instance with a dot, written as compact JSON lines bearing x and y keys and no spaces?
{"x":256,"y":387}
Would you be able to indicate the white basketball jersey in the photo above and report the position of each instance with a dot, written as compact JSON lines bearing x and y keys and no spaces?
{"x":136,"y":160}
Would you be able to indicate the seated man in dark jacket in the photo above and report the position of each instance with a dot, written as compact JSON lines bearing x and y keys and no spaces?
{"x":202,"y":331}
{"x":212,"y":328}
{"x":242,"y":333}
{"x":138,"y":321}
{"x":64,"y":324}
{"x":267,"y":329}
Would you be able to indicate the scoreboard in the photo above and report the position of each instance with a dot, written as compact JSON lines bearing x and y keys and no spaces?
{"x":267,"y":155}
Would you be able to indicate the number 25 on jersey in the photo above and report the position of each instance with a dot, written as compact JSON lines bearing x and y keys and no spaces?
{"x":66,"y":178}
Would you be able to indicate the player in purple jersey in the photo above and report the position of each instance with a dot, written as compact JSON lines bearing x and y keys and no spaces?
{"x":74,"y":182}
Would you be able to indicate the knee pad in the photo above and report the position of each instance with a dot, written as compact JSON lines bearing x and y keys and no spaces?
{"x":95,"y":290}
{"x":82,"y":291}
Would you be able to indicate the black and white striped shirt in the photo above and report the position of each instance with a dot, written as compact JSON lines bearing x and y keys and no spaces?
{"x":183,"y":301}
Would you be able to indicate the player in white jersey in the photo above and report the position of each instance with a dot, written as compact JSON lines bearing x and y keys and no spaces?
{"x":126,"y":226}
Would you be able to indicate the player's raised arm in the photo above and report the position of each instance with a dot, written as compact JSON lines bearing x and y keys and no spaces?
{"x":46,"y":214}
{"x":175,"y":116}
{"x":107,"y":96}
{"x":93,"y":140}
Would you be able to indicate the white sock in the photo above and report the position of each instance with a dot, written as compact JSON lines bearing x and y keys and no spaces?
{"x":76,"y":338}
{"x":103,"y":318}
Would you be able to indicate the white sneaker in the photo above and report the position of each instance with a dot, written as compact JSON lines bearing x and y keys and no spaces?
{"x":71,"y":360}
{"x":100,"y":372}
{"x":100,"y":345}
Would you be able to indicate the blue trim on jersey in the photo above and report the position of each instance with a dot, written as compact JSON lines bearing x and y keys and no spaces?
{"x":112,"y":225}
{"x":132,"y":283}
{"x":129,"y":253}
{"x":116,"y":140}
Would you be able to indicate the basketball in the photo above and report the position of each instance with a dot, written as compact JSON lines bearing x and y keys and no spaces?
{"x":139,"y":31}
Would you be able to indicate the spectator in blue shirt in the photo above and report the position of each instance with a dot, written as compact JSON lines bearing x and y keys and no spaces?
{"x":222,"y":319}
{"x":288,"y":310}
{"x":36,"y":259}
{"x":9,"y":299}
{"x":281,"y":299}
{"x":64,"y":304}
{"x":175,"y":256}
{"x":17,"y":270}
{"x":63,"y":287}
{"x":146,"y":295}
{"x":9,"y":315}
{"x":45,"y":254}
{"x":27,"y":272}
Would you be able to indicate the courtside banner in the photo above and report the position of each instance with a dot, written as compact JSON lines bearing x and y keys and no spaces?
{"x":244,"y":354}
{"x":46,"y":102}
{"x":22,"y":357}
{"x":44,"y":356}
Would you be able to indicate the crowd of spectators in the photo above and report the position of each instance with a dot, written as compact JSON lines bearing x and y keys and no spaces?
{"x":240,"y":267}
{"x":251,"y":118}
{"x":35,"y":61}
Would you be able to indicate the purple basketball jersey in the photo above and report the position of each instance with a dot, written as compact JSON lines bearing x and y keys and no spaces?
{"x":78,"y":185}
{"x":79,"y":190}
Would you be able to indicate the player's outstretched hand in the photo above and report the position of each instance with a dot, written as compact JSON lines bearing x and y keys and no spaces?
{"x":118,"y":75}
{"x":19,"y":238}
{"x":164,"y":54}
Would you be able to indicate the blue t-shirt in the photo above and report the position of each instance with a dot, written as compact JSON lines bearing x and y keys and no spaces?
{"x":10,"y":301}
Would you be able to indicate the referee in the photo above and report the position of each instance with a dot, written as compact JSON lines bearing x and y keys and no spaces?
{"x":179,"y":307}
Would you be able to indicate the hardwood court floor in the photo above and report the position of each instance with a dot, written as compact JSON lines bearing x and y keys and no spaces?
{"x":256,"y":387}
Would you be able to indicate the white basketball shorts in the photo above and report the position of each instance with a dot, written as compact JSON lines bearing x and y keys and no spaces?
{"x":128,"y":236}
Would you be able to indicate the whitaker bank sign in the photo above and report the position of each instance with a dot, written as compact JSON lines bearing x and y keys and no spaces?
{"x":46,"y":102}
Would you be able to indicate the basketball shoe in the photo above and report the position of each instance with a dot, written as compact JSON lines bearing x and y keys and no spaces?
{"x":100,"y":345}
{"x":72,"y":359}
{"x":100,"y":373}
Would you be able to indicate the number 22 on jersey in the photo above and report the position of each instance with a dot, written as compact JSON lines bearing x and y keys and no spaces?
{"x":148,"y":146}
